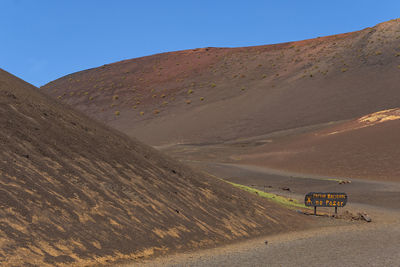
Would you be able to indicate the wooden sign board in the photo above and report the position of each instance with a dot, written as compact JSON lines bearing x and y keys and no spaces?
{"x":325,"y":199}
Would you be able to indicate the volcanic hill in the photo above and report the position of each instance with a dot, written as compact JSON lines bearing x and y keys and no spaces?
{"x":212,"y":95}
{"x":75,"y":192}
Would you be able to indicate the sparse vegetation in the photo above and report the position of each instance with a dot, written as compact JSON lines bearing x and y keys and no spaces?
{"x":290,"y":203}
{"x":117,"y":113}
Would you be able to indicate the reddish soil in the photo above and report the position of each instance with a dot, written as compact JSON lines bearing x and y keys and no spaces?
{"x":75,"y":192}
{"x":217,"y":94}
{"x":368,"y":147}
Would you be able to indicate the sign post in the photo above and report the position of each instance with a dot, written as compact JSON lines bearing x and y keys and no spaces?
{"x":325,"y":199}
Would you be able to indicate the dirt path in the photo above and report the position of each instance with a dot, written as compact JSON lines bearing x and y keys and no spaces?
{"x":362,"y":192}
{"x":361,"y":244}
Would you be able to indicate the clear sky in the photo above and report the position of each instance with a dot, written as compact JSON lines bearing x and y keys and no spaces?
{"x":42,"y":40}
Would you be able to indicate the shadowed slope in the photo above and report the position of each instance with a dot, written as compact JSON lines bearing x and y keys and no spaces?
{"x":218,"y":94}
{"x":73,"y":191}
{"x":368,"y":147}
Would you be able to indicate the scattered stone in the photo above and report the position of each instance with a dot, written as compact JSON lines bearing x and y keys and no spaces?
{"x":365,"y":217}
{"x":285,"y":188}
{"x":361,"y":216}
{"x":266,"y":242}
{"x":344,"y":182}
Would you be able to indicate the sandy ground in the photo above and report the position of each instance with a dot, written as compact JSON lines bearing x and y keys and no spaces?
{"x":367,"y":245}
{"x":355,"y":244}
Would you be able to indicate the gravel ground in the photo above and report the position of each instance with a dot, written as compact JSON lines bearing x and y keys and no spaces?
{"x":359,"y":245}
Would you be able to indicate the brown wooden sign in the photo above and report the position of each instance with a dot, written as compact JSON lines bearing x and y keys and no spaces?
{"x":325,"y":199}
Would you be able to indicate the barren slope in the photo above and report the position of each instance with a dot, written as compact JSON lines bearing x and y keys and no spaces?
{"x":73,"y":191}
{"x":368,"y":147}
{"x":218,"y":94}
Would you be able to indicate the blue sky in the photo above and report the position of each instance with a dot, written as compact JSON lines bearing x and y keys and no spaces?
{"x":42,"y":40}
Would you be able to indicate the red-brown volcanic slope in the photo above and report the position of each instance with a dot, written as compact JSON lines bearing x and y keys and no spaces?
{"x":75,"y":192}
{"x":217,"y":94}
{"x":368,"y":147}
